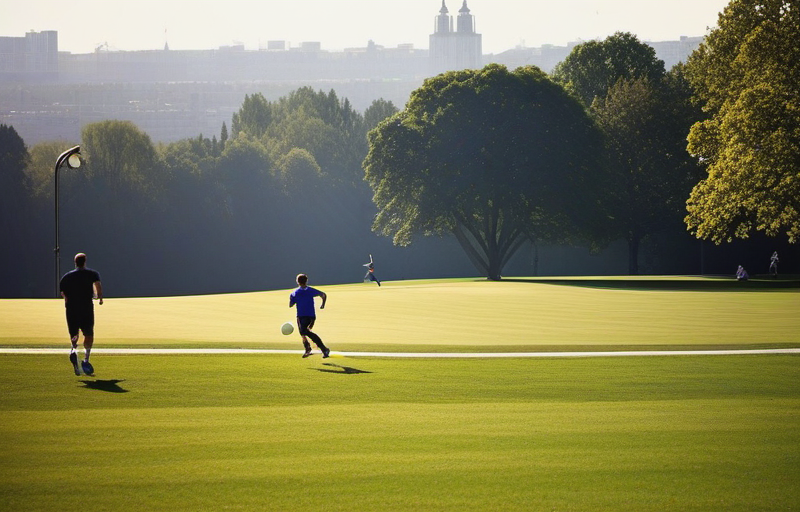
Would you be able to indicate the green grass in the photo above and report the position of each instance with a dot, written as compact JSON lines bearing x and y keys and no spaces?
{"x":454,"y":314}
{"x":277,"y":432}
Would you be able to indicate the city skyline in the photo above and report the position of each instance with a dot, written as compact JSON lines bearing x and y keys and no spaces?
{"x":504,"y":24}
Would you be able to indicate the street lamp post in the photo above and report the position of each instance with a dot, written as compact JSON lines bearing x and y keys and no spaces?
{"x":73,"y":160}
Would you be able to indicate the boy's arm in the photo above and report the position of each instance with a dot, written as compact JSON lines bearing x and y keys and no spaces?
{"x":324,"y":299}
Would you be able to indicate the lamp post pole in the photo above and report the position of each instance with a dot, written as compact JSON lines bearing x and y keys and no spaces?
{"x":73,"y":161}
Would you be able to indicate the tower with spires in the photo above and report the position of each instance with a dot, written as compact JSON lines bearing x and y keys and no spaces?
{"x":457,"y":49}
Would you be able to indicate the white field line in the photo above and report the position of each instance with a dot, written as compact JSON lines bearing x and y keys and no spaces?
{"x":475,"y":355}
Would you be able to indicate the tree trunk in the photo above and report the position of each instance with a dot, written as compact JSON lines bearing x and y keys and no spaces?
{"x":633,"y":254}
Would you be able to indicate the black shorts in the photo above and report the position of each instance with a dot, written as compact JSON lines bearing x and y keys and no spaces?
{"x":304,"y":323}
{"x":80,"y":319}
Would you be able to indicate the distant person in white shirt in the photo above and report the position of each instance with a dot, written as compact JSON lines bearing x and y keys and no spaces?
{"x":773,"y":265}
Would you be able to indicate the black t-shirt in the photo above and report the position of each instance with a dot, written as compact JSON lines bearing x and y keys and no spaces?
{"x":78,"y":286}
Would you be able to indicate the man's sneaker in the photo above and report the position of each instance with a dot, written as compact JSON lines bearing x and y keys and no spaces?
{"x":88,"y":369}
{"x":73,"y":358}
{"x":326,"y":353}
{"x":307,"y":353}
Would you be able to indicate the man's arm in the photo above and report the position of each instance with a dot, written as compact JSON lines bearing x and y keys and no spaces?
{"x":99,"y":288}
{"x":324,"y":299}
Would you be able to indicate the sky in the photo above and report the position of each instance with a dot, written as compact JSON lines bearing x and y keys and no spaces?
{"x":128,"y":25}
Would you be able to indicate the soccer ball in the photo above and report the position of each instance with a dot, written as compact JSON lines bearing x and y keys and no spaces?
{"x":287,"y":328}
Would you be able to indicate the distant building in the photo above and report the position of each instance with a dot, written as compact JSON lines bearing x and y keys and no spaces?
{"x":673,"y":52}
{"x":33,"y":57}
{"x":457,"y":49}
{"x":173,"y":94}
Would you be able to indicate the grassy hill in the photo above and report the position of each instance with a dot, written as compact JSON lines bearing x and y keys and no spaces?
{"x":456,"y":314}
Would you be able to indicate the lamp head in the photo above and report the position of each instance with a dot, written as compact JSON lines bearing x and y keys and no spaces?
{"x":74,"y":160}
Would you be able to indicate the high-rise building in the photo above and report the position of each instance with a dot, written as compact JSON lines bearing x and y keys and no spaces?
{"x":457,"y":49}
{"x":34,"y":56}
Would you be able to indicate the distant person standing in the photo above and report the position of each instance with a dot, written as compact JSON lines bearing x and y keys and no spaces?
{"x":371,"y":271}
{"x":773,"y":265}
{"x":303,"y":298}
{"x":79,"y":287}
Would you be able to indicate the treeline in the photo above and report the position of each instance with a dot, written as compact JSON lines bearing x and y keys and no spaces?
{"x":279,"y":193}
{"x":478,"y":157}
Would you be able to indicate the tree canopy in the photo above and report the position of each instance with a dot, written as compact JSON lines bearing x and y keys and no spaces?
{"x":491,"y":156}
{"x":593,"y":67}
{"x":645,"y":125}
{"x":747,"y":75}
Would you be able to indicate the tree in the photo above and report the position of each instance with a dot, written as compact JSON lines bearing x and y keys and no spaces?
{"x":378,"y":110}
{"x":244,"y":172}
{"x":593,"y":67}
{"x":326,"y":127}
{"x":747,"y":76}
{"x":299,"y":173}
{"x":43,"y":156}
{"x":491,"y":156}
{"x":14,"y":159}
{"x":223,"y":136}
{"x":651,"y":173}
{"x":253,"y":117}
{"x":16,"y":228}
{"x":121,"y":160}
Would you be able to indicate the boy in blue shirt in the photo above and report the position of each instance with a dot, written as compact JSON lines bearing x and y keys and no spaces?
{"x":303,"y":298}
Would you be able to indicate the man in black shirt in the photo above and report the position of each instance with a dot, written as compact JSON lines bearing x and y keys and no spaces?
{"x":78,"y":287}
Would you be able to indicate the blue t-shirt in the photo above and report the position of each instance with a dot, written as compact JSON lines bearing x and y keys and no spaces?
{"x":304,"y":298}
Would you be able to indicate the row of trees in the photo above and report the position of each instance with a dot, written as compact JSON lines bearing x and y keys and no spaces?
{"x":495,"y":159}
{"x":201,"y":214}
{"x":595,"y":154}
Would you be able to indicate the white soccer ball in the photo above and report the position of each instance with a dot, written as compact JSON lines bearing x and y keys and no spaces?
{"x":287,"y":328}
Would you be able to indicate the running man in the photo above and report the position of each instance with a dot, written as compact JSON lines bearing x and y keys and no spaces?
{"x":303,"y":298}
{"x":78,"y":287}
{"x":371,"y":271}
{"x":773,"y":264}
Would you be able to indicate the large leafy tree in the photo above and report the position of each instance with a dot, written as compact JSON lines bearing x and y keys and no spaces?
{"x":747,"y":74}
{"x":14,"y":204}
{"x":14,"y":159}
{"x":491,"y":156}
{"x":593,"y":67}
{"x":651,"y":173}
{"x":645,"y":114}
{"x":121,"y":160}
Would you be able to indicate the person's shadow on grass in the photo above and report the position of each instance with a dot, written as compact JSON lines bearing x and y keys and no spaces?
{"x":111,"y":386}
{"x":344,"y":370}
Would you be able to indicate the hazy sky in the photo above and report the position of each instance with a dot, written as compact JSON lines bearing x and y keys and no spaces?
{"x":82,"y":25}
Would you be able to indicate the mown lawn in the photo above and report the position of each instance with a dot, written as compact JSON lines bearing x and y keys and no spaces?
{"x":452,"y":314}
{"x":277,"y":432}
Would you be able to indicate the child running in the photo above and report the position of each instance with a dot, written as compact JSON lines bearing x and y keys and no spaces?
{"x":371,"y":271}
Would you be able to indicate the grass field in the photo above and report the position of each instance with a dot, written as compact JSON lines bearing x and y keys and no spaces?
{"x":454,"y":314}
{"x":277,"y":432}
